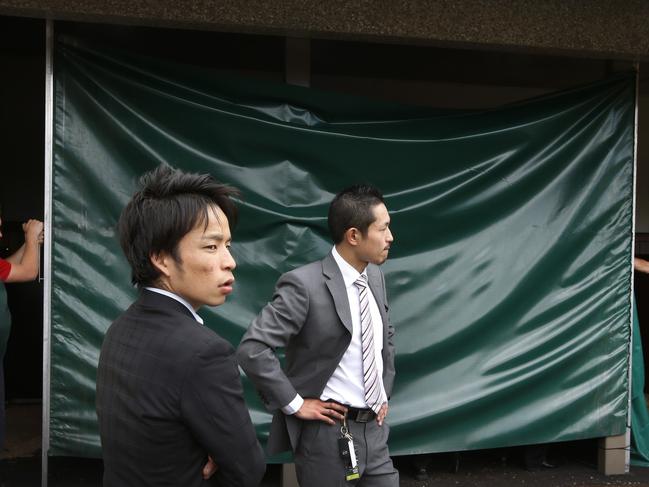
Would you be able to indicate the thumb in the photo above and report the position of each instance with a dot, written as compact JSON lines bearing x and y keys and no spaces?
{"x":209,"y":469}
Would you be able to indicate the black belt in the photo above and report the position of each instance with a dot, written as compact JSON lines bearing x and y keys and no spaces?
{"x":360,"y":415}
{"x":356,"y":414}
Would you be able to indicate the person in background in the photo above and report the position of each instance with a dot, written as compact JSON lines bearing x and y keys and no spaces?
{"x":641,"y":265}
{"x":21,"y":266}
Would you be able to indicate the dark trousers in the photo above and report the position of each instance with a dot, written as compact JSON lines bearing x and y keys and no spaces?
{"x":2,"y":405}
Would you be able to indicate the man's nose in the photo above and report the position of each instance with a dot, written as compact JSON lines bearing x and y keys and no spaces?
{"x":229,"y":262}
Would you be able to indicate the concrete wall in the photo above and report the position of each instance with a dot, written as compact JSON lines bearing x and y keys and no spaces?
{"x":603,"y":28}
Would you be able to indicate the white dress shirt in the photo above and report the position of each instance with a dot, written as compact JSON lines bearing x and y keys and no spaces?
{"x":346,"y":384}
{"x":182,"y":301}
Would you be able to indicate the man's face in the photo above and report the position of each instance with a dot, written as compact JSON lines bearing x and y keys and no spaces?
{"x":374,"y":246}
{"x":204,"y":274}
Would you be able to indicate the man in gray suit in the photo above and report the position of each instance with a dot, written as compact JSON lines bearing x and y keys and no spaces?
{"x":331,"y":316}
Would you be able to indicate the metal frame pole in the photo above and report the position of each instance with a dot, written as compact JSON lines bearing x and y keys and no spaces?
{"x":627,"y":457}
{"x":47,"y":245}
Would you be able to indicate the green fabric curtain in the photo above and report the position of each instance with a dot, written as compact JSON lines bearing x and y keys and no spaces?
{"x":509,"y":277}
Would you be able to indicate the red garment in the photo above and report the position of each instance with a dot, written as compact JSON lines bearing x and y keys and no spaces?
{"x":5,"y":269}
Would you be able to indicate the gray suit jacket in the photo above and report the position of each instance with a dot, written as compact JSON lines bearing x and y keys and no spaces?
{"x":309,"y":317}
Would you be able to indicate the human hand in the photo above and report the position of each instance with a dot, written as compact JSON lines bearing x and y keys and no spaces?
{"x":210,"y":468}
{"x":383,"y":412}
{"x":641,"y":265}
{"x":33,"y":230}
{"x":315,"y":409}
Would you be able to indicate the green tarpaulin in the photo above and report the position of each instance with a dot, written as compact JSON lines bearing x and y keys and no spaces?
{"x":510,"y":273}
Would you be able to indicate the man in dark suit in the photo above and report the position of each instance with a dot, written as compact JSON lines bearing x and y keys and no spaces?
{"x":169,"y":397}
{"x":331,"y":398}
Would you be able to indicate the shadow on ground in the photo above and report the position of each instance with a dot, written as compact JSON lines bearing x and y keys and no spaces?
{"x":576,"y":464}
{"x":485,"y":468}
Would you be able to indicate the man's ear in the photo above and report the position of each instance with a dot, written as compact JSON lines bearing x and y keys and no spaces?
{"x":353,"y":236}
{"x":161,"y":262}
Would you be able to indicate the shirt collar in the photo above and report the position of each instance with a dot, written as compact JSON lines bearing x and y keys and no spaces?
{"x":177,"y":298}
{"x":350,"y":275}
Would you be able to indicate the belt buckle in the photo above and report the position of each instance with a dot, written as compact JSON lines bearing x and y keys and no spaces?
{"x":364,"y":415}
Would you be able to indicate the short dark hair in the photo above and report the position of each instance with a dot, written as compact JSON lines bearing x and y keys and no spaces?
{"x":352,"y":208}
{"x":169,"y":204}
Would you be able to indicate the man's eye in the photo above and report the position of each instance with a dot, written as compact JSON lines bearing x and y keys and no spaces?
{"x":211,"y":247}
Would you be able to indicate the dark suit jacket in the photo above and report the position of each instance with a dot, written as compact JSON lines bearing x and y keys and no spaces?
{"x":169,"y":394}
{"x":309,"y":316}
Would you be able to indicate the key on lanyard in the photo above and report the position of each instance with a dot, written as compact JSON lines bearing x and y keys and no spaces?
{"x":348,"y":453}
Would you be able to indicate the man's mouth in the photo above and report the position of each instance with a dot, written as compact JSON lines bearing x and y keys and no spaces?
{"x":226,"y":287}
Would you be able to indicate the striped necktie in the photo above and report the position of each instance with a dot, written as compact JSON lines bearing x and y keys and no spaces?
{"x":371,"y":378}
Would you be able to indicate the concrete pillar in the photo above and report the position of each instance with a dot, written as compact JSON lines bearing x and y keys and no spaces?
{"x":612,"y":455}
{"x":289,"y":477}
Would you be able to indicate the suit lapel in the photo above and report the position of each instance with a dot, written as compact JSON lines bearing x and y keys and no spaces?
{"x":336,"y":286}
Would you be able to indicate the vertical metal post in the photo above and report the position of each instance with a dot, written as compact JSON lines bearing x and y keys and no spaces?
{"x":47,"y":244}
{"x":635,"y":176}
{"x":627,"y":458}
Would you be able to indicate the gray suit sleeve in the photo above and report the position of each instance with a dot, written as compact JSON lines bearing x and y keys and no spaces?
{"x":277,"y":322}
{"x":389,"y":371}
